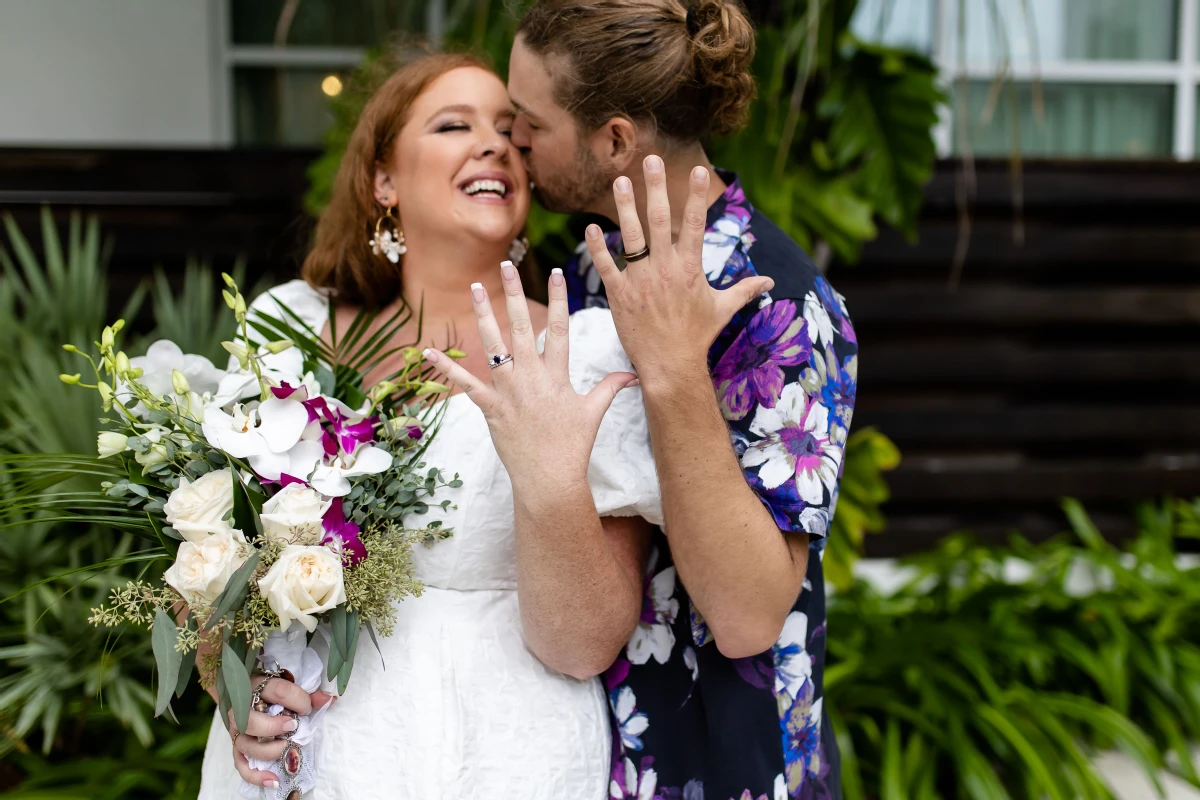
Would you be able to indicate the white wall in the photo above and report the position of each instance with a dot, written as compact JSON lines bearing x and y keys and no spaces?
{"x":109,"y":72}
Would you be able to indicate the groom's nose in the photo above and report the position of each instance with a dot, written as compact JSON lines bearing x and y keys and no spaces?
{"x":520,"y":133}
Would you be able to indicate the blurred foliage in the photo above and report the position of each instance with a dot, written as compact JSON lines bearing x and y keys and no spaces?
{"x":840,"y":134}
{"x":862,"y":491}
{"x":75,"y":707}
{"x":997,"y":671}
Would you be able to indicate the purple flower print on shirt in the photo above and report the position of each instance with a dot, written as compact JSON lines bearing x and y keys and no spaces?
{"x":750,"y":372}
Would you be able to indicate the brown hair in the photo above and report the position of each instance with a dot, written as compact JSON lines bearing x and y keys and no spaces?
{"x":687,"y":71}
{"x":341,"y":258}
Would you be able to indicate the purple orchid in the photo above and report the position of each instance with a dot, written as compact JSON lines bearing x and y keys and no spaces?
{"x":342,"y":530}
{"x":750,"y":372}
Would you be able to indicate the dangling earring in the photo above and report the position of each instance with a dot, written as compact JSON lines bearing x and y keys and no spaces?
{"x":389,"y":243}
{"x":518,"y":249}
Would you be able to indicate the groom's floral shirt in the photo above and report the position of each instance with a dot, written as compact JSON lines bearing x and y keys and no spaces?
{"x":689,"y":723}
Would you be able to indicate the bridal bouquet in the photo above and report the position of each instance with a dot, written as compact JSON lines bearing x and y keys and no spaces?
{"x":279,"y":487}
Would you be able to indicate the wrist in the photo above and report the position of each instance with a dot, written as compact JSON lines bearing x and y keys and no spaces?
{"x":536,"y":492}
{"x":675,"y":378}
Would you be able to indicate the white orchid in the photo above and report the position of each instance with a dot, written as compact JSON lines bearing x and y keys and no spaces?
{"x":264,"y":435}
{"x":163,"y":358}
{"x":277,"y":368}
{"x":332,"y":479}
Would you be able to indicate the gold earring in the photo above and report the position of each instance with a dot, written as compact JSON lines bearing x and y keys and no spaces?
{"x":388,"y":243}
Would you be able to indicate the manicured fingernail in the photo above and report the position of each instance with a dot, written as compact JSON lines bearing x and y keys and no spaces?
{"x":477,"y":292}
{"x":508,"y":270}
{"x":592,"y":232}
{"x":699,"y":174}
{"x":654,"y":163}
{"x":271,"y":784}
{"x":556,"y":276}
{"x":430,"y":356}
{"x":623,"y":184}
{"x":291,"y":725}
{"x":632,"y":383}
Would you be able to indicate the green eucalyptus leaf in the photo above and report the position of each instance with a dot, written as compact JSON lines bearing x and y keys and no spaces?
{"x":237,"y":683}
{"x":235,"y":591}
{"x":166,"y":657}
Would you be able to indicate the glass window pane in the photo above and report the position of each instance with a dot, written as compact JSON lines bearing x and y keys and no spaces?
{"x":898,"y":23}
{"x":1084,"y":120}
{"x":283,"y":107}
{"x":345,"y":23}
{"x":1064,"y":30}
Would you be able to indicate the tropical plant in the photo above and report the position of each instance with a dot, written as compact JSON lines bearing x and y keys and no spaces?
{"x":862,"y":491}
{"x":72,"y":692}
{"x":998,"y":671}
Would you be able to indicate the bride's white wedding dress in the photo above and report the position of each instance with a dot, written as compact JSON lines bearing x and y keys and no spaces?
{"x":464,"y":710}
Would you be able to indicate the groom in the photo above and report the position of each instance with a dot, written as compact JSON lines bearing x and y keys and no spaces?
{"x":749,"y":380}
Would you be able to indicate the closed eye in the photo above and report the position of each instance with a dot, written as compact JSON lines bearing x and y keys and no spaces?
{"x":453,"y":126}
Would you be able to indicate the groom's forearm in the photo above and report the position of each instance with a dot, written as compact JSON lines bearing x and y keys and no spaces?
{"x":578,"y":577}
{"x":742,"y":572}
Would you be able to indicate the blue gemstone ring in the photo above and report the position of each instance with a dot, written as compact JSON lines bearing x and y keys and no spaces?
{"x":496,"y":361}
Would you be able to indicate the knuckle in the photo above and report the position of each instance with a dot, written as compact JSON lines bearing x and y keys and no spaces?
{"x":520,"y":327}
{"x":558,"y":327}
{"x":693,"y":217}
{"x":660,"y":216}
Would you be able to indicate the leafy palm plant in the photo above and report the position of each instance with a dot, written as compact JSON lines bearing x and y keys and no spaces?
{"x":193,"y":315}
{"x":997,"y":672}
{"x":67,"y":689}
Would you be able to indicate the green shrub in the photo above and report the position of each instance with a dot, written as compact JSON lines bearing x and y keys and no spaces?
{"x":996,"y":671}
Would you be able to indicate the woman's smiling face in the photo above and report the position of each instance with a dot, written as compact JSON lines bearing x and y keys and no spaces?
{"x":454,"y":172}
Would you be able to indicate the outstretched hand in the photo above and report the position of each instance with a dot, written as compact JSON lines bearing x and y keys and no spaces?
{"x":666,"y":312}
{"x":542,"y":428}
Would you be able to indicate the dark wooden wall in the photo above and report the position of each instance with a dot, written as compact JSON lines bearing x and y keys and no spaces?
{"x":1066,"y":365}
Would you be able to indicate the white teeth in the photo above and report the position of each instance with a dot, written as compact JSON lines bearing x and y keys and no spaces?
{"x":494,"y":187}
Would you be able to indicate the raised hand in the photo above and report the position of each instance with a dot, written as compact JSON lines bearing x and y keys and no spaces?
{"x":542,"y":428}
{"x":666,"y":312}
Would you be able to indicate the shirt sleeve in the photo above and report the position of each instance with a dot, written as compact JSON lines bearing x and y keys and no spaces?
{"x":786,"y":384}
{"x":621,"y":472}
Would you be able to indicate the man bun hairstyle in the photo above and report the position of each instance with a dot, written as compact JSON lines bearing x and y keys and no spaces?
{"x":682,"y":66}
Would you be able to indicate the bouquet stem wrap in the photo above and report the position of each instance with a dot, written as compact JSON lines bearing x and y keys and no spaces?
{"x":290,"y":651}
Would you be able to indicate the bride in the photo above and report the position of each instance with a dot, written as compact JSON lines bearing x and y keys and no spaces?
{"x":490,"y":686}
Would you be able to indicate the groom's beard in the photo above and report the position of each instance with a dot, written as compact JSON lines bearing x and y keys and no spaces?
{"x":578,"y":188}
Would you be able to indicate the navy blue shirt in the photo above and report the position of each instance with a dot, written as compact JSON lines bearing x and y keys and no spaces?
{"x":689,"y":723}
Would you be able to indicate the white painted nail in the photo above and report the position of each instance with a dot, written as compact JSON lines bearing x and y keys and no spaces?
{"x":504,"y":264}
{"x":476,"y":286}
{"x":430,"y":356}
{"x":271,"y":784}
{"x":556,"y":271}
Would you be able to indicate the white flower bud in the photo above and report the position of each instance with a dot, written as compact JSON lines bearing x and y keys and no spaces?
{"x":179,"y":383}
{"x":110,"y":443}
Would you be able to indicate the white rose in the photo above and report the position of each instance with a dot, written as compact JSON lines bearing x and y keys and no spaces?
{"x":202,"y":569}
{"x":110,"y":443}
{"x":294,"y":515}
{"x":304,"y":582}
{"x":197,"y":510}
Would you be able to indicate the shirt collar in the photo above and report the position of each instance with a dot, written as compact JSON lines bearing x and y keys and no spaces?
{"x":732,"y":200}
